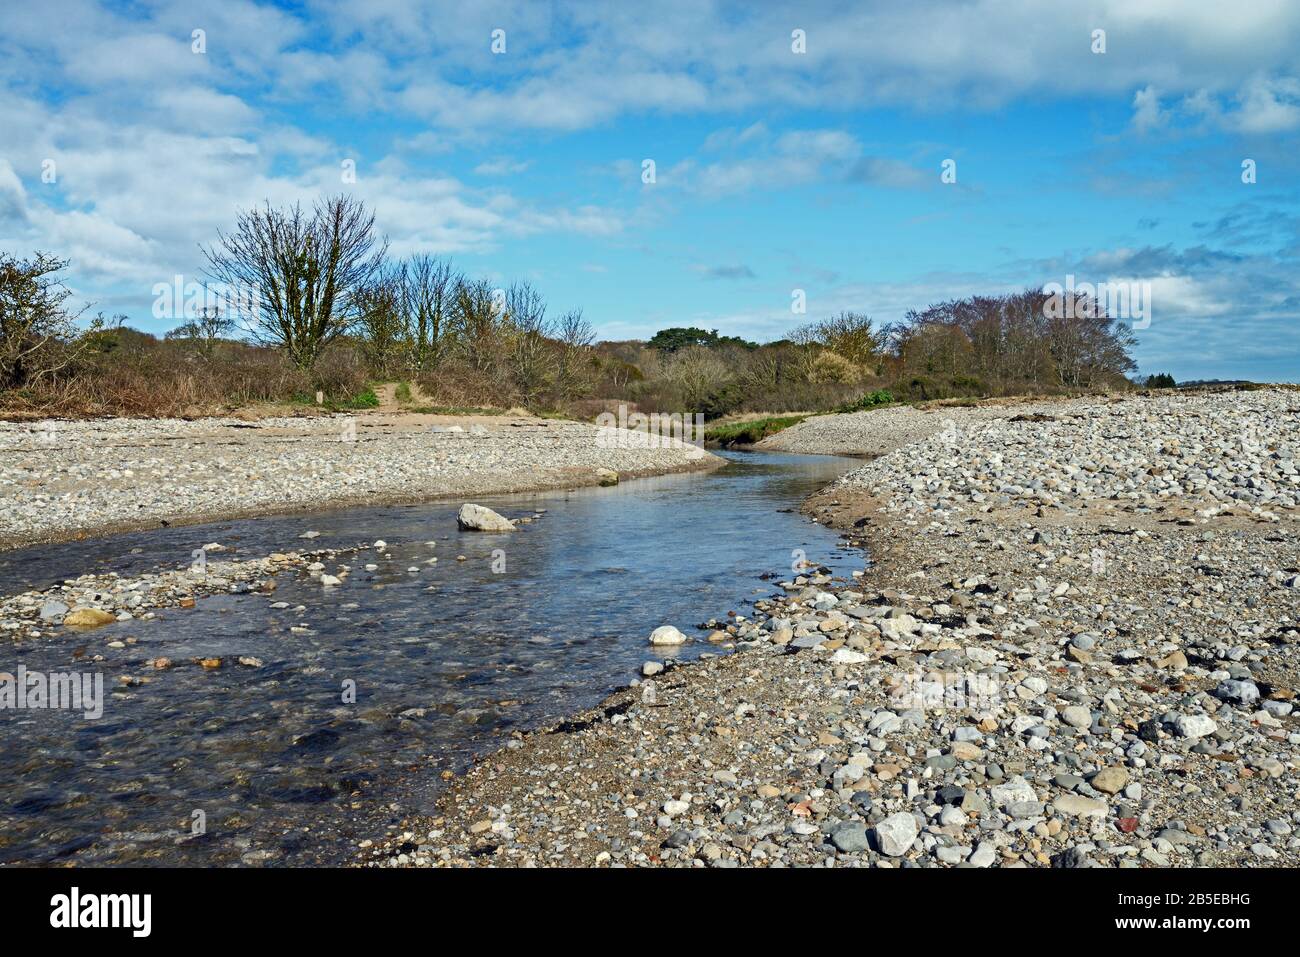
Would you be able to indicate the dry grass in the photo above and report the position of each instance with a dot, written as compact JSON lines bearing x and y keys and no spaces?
{"x":160,"y":380}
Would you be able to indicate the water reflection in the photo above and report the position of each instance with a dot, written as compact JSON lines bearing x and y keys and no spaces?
{"x":275,"y":759}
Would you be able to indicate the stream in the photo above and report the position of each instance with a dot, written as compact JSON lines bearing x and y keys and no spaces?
{"x":275,"y":764}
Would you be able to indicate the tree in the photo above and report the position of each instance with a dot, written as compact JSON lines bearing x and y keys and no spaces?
{"x":575,"y":364}
{"x":1162,"y":380}
{"x":679,"y":337}
{"x":475,"y":323}
{"x":202,"y":334}
{"x":428,"y":293}
{"x":1013,"y":343}
{"x":39,"y":337}
{"x":525,"y":333}
{"x":382,"y":322}
{"x":830,"y":366}
{"x":935,"y":348}
{"x":301,"y":277}
{"x":697,"y":373}
{"x":670,"y":340}
{"x":850,"y":335}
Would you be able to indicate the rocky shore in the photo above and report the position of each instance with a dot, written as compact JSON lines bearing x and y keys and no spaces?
{"x":1077,"y":645}
{"x":90,"y":601}
{"x":880,"y":431}
{"x":62,"y":480}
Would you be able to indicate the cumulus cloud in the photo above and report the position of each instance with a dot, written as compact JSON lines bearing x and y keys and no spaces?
{"x":1261,"y":105}
{"x":156,"y":146}
{"x":1147,"y":114}
{"x":795,"y":158}
{"x":1269,"y":105}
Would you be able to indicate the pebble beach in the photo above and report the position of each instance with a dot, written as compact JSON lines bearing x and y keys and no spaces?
{"x":1076,"y":645}
{"x":67,"y":479}
{"x":1073,"y":641}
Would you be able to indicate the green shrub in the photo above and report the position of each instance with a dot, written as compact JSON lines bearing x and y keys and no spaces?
{"x":722,"y":401}
{"x":365,"y":399}
{"x":869,"y":401}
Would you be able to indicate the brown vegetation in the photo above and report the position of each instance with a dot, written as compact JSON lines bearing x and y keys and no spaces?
{"x":313,"y":304}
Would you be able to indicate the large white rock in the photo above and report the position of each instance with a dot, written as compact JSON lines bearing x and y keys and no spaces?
{"x":667,"y":635}
{"x":1079,"y":806}
{"x":1015,"y":791}
{"x":895,"y":629}
{"x":477,"y":518}
{"x":53,"y":610}
{"x":896,"y":833}
{"x":1077,"y":716}
{"x":1194,"y":725}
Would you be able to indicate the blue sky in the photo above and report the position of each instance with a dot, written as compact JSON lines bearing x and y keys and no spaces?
{"x":775,"y":170}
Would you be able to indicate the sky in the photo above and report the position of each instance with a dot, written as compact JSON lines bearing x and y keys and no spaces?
{"x":799,"y":153}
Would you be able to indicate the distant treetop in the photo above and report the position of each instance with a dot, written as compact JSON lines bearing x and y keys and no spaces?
{"x":678,"y":337}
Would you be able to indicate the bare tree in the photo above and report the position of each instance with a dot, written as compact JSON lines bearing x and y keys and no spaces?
{"x":382,"y":322}
{"x":760,"y":371}
{"x":475,"y":324}
{"x":203,"y":333}
{"x":696,"y":372}
{"x":303,"y":274}
{"x":39,"y":337}
{"x":525,"y":332}
{"x":574,"y":362}
{"x":428,"y":293}
{"x":1015,"y":342}
{"x":850,"y":334}
{"x":808,"y":346}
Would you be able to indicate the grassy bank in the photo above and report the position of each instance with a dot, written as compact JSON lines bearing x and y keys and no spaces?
{"x":751,"y":431}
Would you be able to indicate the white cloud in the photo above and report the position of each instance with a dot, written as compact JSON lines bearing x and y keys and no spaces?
{"x":1269,"y":106}
{"x":157,"y":146}
{"x":13,"y":198}
{"x":1147,"y":114}
{"x":1263,"y":105}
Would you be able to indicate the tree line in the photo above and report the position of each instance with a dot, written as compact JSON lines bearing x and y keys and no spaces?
{"x":963,"y":348}
{"x":312,"y":300}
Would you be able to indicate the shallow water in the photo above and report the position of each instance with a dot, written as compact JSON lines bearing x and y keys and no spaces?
{"x":446,"y":661}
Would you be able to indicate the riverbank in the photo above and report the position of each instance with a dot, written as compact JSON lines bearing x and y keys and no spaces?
{"x":876,"y":432}
{"x":1078,"y":645}
{"x":62,"y":480}
{"x":307,"y":681}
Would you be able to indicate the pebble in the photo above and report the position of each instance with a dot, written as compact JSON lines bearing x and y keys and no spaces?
{"x":896,"y":833}
{"x":667,"y":635}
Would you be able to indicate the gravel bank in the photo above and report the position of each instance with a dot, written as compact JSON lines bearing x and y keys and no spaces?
{"x":61,"y":480}
{"x":100,"y":599}
{"x":1204,"y":451}
{"x":1078,"y":646}
{"x":879,"y":431}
